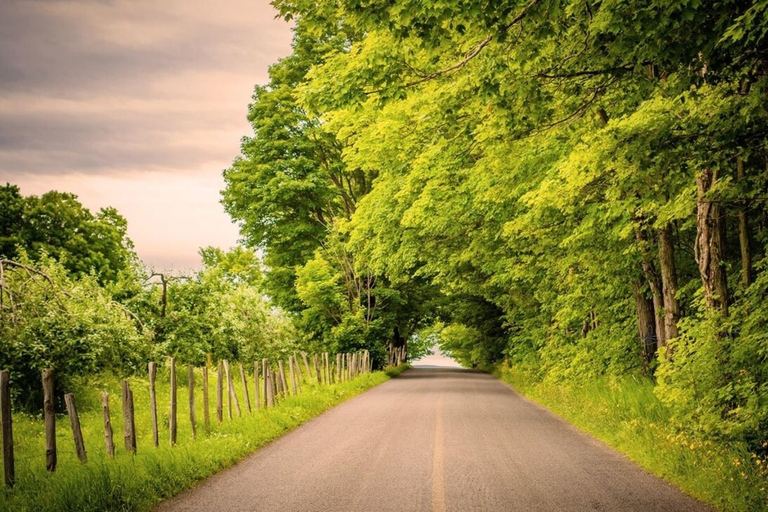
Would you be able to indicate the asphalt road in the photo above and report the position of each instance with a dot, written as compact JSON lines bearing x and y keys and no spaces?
{"x":435,"y":440}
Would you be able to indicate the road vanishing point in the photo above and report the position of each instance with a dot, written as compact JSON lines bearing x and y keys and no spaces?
{"x":436,"y":438}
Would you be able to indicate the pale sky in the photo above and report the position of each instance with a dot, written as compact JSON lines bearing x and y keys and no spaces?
{"x":136,"y":104}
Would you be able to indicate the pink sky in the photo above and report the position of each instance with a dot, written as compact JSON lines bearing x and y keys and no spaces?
{"x":135,"y":104}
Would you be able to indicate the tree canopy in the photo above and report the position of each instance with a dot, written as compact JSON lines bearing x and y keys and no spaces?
{"x":56,"y":224}
{"x":575,"y":188}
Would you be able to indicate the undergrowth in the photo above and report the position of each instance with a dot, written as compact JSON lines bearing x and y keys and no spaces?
{"x":625,"y":414}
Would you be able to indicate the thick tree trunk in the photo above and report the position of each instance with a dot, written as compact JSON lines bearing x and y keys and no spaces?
{"x":653,"y":279}
{"x":709,"y":244}
{"x":668,"y":283}
{"x":646,"y":323}
{"x":746,"y":255}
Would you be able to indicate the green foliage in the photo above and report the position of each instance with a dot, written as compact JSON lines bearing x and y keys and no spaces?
{"x":714,"y":376}
{"x":539,"y":179}
{"x":218,"y":311}
{"x":49,"y":319}
{"x":57,"y":225}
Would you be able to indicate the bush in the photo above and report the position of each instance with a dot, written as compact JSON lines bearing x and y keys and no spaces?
{"x":49,"y":319}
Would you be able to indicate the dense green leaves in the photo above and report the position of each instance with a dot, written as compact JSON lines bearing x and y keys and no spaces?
{"x":570,"y":185}
{"x":57,"y":225}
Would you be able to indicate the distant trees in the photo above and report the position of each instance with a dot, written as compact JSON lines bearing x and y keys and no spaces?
{"x":74,"y":297}
{"x":58,"y":225}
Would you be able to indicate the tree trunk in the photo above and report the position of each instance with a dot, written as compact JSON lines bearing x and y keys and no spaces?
{"x":653,"y":279}
{"x":709,"y":244}
{"x":746,"y":255}
{"x":668,"y":283}
{"x":646,"y":323}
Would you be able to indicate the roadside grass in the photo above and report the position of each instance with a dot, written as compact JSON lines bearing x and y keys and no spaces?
{"x":625,"y":414}
{"x":139,"y":482}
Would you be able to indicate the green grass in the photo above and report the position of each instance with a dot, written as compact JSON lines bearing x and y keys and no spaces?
{"x":625,"y":414}
{"x":138,"y":482}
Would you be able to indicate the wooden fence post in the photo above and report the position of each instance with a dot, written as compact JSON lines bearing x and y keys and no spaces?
{"x":74,"y":420}
{"x":292,"y":375}
{"x":283,"y":382}
{"x":256,"y":396}
{"x":108,"y":439}
{"x":231,"y":392}
{"x":245,"y":387}
{"x":265,"y":376}
{"x":50,"y":421}
{"x":279,"y":390}
{"x":306,"y":365}
{"x":220,"y":394}
{"x":327,"y":368}
{"x":129,"y":429}
{"x":317,"y":369}
{"x":152,"y":368}
{"x":274,"y":381}
{"x":191,"y":384}
{"x":297,"y":366}
{"x":172,"y":427}
{"x":9,"y":463}
{"x":206,"y":408}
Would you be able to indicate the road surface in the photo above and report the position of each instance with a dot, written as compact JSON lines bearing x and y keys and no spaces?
{"x":435,"y":439}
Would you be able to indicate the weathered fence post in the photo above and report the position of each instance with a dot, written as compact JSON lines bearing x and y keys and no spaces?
{"x":191,"y":384}
{"x":274,"y":381}
{"x":283,"y":382}
{"x":152,"y":368}
{"x":172,"y":419}
{"x":256,"y":385}
{"x":229,"y":388}
{"x":206,"y":408}
{"x":265,"y":376}
{"x":74,"y":420}
{"x":231,"y":392}
{"x":129,"y":429}
{"x":220,"y":394}
{"x":327,"y":368}
{"x":297,"y":366}
{"x":108,"y":439}
{"x":50,"y":421}
{"x":317,"y":369}
{"x":306,"y":365}
{"x":279,"y":390}
{"x":9,"y":463}
{"x":338,"y":367}
{"x":245,"y":388}
{"x":324,"y":367}
{"x":292,"y":375}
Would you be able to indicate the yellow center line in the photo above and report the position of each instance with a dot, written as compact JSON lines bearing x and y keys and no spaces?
{"x":438,"y":484}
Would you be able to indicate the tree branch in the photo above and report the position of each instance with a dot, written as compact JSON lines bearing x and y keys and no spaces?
{"x":425,"y":77}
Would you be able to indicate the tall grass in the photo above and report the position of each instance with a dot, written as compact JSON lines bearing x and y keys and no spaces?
{"x":138,"y":482}
{"x":625,"y":414}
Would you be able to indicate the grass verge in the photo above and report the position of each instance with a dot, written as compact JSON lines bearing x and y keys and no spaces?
{"x":625,"y":414}
{"x":138,"y":482}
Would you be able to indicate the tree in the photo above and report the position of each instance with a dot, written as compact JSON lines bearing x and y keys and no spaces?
{"x":57,"y":225}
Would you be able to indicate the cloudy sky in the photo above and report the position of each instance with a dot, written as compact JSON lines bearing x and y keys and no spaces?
{"x":136,"y":104}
